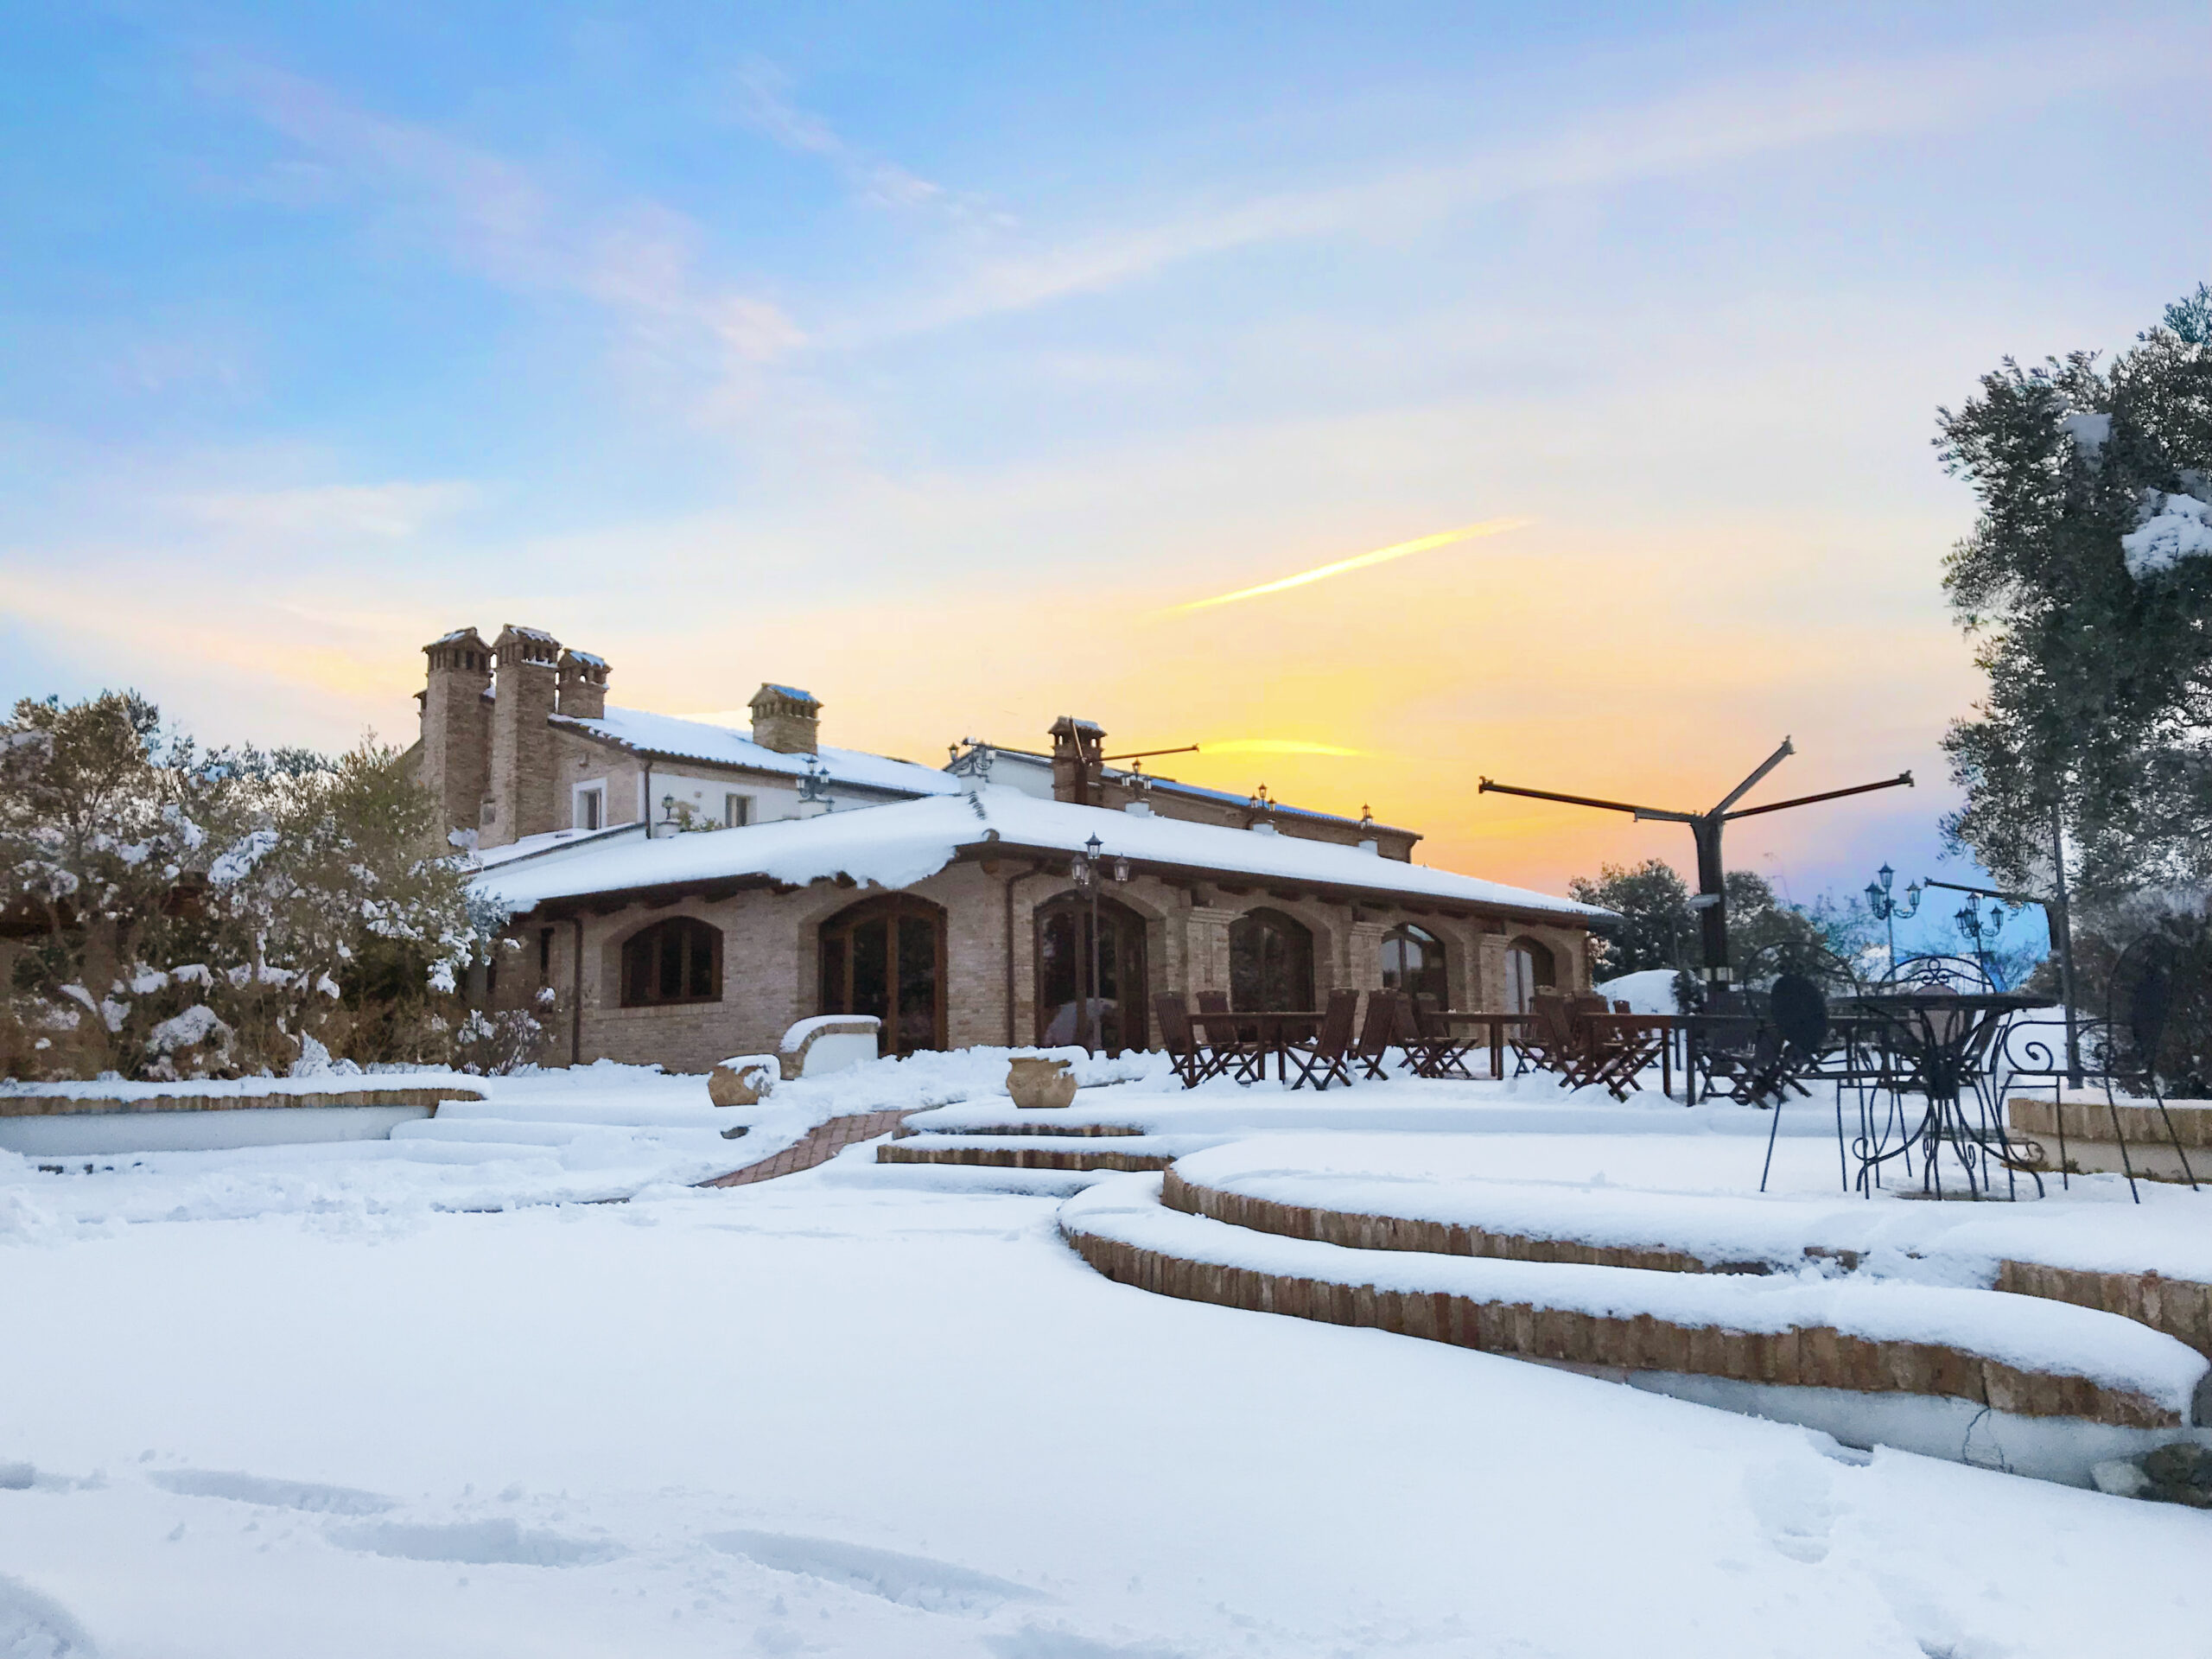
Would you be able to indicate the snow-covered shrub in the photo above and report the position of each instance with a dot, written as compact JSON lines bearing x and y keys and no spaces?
{"x":495,"y":1043}
{"x":171,"y":911}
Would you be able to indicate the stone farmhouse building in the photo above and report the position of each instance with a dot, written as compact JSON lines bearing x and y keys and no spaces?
{"x":685,"y":891}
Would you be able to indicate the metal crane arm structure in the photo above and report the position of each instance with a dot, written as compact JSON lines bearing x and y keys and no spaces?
{"x":1705,"y":830}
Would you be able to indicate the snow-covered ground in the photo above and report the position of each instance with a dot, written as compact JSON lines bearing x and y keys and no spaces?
{"x":382,"y":1399}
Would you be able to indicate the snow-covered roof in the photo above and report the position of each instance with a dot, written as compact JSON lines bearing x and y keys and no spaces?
{"x":898,"y":845}
{"x":790,"y":691}
{"x":552,"y":841}
{"x":966,"y":763}
{"x":668,"y":737}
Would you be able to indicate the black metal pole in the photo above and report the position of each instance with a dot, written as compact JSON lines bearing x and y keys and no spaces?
{"x":1712,"y":883}
{"x":1091,"y":1002}
{"x":2062,"y":912}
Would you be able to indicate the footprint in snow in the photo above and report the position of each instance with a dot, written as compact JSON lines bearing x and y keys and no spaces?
{"x":1795,"y":1505}
{"x":309,"y":1496}
{"x":474,"y":1543}
{"x":916,"y":1581}
{"x":33,"y":1626}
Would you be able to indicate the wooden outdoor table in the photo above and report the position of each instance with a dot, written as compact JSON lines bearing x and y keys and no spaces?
{"x":1274,"y":1028}
{"x":1496,"y":1021}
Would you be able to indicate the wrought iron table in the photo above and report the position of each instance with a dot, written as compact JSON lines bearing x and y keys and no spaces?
{"x":1936,"y":1042}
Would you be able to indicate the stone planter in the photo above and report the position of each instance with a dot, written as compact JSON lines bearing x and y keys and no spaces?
{"x":1038,"y":1084}
{"x":742,"y":1079}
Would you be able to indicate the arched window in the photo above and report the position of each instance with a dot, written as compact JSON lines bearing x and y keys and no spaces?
{"x":1412,"y":960}
{"x":1270,"y":962}
{"x":679,"y":960}
{"x":1528,"y":964}
{"x":885,"y":956}
{"x":1116,"y":1006}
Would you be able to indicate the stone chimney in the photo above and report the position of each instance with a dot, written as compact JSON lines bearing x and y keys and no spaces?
{"x":457,"y":726}
{"x":786,"y":720}
{"x":582,"y":687}
{"x":1077,"y":770}
{"x":519,"y":801}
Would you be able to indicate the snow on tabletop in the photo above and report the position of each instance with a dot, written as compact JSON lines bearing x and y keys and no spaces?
{"x":2024,"y":1332}
{"x":898,"y":845}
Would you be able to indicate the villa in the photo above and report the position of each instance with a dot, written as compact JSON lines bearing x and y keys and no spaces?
{"x":685,"y":891}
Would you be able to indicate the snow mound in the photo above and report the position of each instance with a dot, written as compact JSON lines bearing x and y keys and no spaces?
{"x":1648,"y":991}
{"x":33,"y":1626}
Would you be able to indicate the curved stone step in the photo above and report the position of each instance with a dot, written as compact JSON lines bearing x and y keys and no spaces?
{"x":1119,"y":1152}
{"x":2014,"y":1354}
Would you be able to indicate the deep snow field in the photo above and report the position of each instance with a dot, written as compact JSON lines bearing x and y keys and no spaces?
{"x":339,"y":1400}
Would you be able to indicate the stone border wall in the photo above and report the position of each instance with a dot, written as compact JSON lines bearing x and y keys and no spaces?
{"x":1817,"y":1356}
{"x":71,"y":1105}
{"x":893,"y":1152}
{"x":2085,"y":1119}
{"x":2182,"y":1309}
{"x":1032,"y":1125}
{"x":1359,"y":1232}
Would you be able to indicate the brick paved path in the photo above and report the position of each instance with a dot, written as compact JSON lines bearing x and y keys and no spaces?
{"x":821,"y":1144}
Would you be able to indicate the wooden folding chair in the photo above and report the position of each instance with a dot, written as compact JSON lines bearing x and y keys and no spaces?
{"x":1194,"y":1062}
{"x":1235,"y":1049}
{"x":1322,"y":1060}
{"x":1377,"y":1032}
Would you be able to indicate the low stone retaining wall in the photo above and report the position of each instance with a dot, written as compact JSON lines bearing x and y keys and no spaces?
{"x":74,"y":1105}
{"x":2182,"y":1309}
{"x":1811,"y":1358}
{"x":1035,"y":1126}
{"x":1359,"y":1232}
{"x":2089,"y":1116}
{"x":893,"y":1152}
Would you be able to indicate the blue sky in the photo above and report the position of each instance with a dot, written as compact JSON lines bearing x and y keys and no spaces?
{"x":925,"y":355}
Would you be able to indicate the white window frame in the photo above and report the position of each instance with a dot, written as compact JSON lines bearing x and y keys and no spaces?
{"x":737,"y":811}
{"x":589,"y":803}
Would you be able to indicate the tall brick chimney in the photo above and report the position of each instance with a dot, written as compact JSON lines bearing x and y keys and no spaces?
{"x":1077,"y":769}
{"x":786,"y":720}
{"x":519,"y":801}
{"x":582,"y":685}
{"x":457,"y":724}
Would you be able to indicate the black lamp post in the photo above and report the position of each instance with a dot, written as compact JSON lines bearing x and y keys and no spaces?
{"x":1084,"y":868}
{"x":1889,"y":908}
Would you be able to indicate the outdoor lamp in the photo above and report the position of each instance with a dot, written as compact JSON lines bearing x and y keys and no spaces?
{"x":1093,"y":846}
{"x":1121,"y":869}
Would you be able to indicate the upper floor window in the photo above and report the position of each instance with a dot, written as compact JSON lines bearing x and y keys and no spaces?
{"x":679,"y":960}
{"x":737,"y":812}
{"x":591,"y":806}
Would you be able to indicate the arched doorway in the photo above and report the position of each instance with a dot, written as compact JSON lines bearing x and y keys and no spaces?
{"x":885,"y":956}
{"x":1117,"y":1002}
{"x":1412,"y":961}
{"x":1529,"y":964}
{"x":1270,"y":962}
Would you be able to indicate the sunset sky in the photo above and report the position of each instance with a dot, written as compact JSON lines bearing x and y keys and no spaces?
{"x":937,"y":359}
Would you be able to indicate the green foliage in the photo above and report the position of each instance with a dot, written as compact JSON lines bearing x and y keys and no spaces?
{"x":1653,"y":902}
{"x":2100,"y":679}
{"x":1766,"y":938}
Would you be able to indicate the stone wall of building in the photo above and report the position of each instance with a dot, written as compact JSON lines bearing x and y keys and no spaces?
{"x":770,"y":966}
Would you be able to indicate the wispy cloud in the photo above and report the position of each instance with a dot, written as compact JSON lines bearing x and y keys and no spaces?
{"x":1709,"y":126}
{"x":1274,"y":746}
{"x":348,"y":512}
{"x":763,"y":104}
{"x":1361,"y":562}
{"x":640,"y":260}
